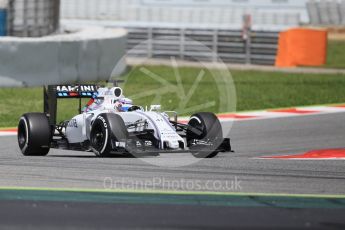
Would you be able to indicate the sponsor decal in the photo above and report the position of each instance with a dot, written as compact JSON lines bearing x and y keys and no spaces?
{"x":73,"y":123}
{"x":75,"y":88}
{"x":76,"y":91}
{"x":103,"y":120}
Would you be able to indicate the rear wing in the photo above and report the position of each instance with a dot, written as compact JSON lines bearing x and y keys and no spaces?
{"x":53,"y":92}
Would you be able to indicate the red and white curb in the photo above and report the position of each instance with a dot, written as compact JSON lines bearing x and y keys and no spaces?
{"x":277,"y":113}
{"x":255,"y":115}
{"x":323,"y":154}
{"x":8,"y":132}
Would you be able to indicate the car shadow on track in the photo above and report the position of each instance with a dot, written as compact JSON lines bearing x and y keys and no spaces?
{"x":90,"y":156}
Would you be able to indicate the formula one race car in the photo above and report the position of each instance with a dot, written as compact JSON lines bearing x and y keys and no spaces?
{"x":110,"y":123}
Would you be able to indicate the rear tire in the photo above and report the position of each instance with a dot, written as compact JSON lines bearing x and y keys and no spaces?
{"x":107,"y":127}
{"x":34,"y":134}
{"x":210,"y":131}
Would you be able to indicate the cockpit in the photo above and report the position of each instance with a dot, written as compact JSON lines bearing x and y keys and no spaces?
{"x":111,"y":99}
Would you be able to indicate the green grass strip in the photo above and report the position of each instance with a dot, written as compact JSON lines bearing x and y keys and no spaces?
{"x":255,"y":90}
{"x":336,"y":54}
{"x":173,"y":197}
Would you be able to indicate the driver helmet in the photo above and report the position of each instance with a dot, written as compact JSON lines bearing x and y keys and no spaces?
{"x":123,"y":104}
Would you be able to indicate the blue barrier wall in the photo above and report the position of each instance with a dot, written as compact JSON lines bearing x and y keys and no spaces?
{"x":3,"y":22}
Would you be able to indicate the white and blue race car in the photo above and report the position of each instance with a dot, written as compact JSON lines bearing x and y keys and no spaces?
{"x":111,"y":124}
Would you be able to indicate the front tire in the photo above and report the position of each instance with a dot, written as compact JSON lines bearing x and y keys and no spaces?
{"x":34,"y":134}
{"x":107,"y":128}
{"x":209,"y":131}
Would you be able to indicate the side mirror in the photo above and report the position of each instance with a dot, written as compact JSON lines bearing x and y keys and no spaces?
{"x":155,"y":108}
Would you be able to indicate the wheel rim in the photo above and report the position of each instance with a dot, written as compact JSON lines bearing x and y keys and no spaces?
{"x":197,"y":124}
{"x":199,"y":151}
{"x":97,"y":138}
{"x":21,"y":134}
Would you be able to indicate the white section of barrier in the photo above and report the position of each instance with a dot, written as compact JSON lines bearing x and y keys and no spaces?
{"x":87,"y":55}
{"x":3,"y":4}
{"x":189,"y":13}
{"x":328,"y":13}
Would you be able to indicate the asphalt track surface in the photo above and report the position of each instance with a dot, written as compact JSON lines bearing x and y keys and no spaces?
{"x":240,"y":172}
{"x":250,"y":140}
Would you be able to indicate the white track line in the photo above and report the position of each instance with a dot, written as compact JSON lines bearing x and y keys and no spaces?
{"x":6,"y":134}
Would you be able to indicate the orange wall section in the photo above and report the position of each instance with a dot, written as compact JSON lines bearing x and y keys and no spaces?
{"x":302,"y":47}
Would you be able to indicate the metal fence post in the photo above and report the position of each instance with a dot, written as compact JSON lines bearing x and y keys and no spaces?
{"x":215,"y":46}
{"x":182,"y":43}
{"x":246,"y":34}
{"x":149,"y":42}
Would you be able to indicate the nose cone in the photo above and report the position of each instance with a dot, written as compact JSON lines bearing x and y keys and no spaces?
{"x":173,"y":144}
